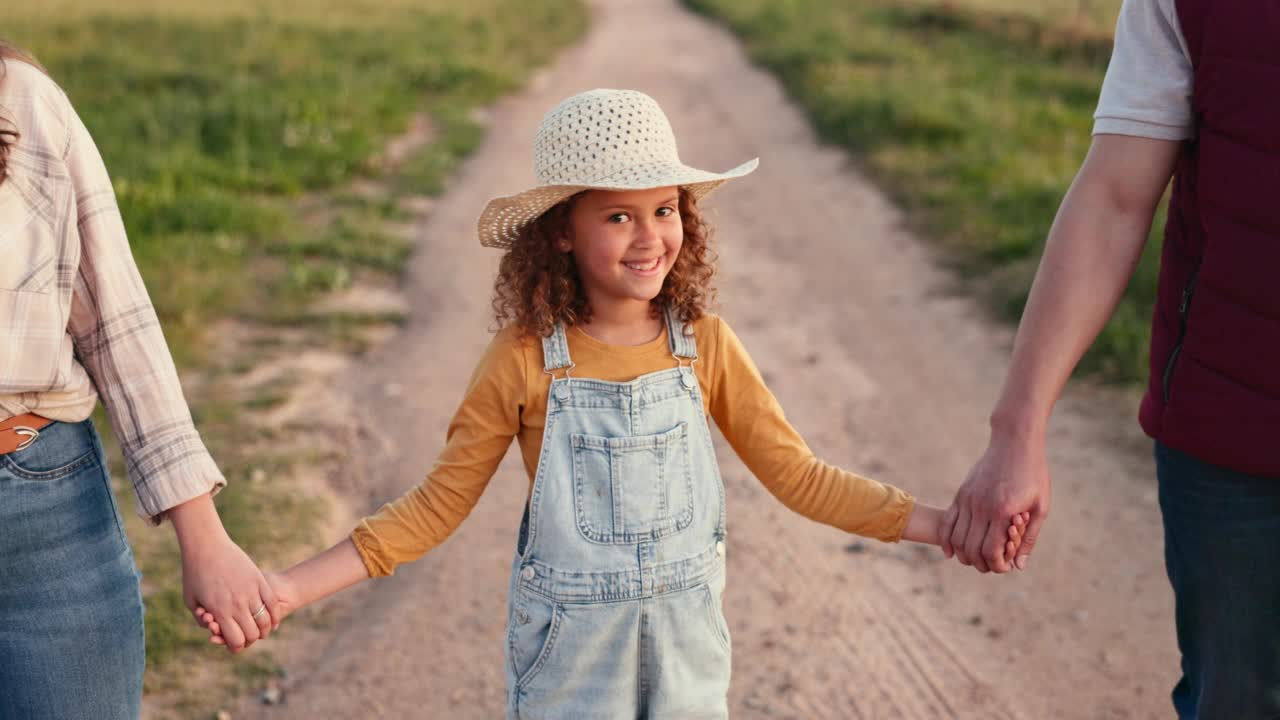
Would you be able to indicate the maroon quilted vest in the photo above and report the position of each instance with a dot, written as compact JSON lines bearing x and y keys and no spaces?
{"x":1214,"y":390}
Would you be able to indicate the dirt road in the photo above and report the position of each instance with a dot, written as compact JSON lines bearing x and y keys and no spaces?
{"x":878,"y":360}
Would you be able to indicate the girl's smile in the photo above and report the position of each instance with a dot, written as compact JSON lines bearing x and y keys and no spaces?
{"x":644,"y":267}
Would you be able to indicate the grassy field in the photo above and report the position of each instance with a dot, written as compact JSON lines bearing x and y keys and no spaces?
{"x":225,"y":126}
{"x":209,"y":113}
{"x":975,"y":114}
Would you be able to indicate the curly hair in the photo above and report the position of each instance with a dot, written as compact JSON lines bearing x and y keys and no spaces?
{"x":538,"y":285}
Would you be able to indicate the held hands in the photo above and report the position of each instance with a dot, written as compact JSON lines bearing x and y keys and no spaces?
{"x":1013,"y":536}
{"x":1010,"y":479}
{"x":286,"y":598}
{"x":219,"y":579}
{"x":927,"y":524}
{"x":310,"y":580}
{"x":223,"y":579}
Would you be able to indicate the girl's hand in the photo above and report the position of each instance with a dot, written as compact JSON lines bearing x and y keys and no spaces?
{"x":1017,"y":528}
{"x":286,"y":596}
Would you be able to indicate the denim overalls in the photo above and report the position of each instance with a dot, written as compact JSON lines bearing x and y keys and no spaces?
{"x":617,"y":581}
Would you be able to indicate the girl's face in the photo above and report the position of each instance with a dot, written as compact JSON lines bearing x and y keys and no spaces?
{"x":624,"y":243}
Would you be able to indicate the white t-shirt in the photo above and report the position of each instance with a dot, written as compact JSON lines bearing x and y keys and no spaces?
{"x":1147,"y":90}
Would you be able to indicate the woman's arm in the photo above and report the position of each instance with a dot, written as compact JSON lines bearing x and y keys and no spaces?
{"x":119,"y":343}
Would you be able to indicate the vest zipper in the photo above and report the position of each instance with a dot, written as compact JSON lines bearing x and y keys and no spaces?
{"x":1182,"y":330}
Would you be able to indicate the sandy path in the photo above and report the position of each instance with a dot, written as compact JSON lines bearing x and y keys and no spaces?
{"x":878,"y":362}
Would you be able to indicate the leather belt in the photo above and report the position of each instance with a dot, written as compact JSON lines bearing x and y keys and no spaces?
{"x":20,"y":431}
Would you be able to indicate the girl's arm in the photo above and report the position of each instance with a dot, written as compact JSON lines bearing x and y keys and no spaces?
{"x":315,"y":578}
{"x":319,"y":576}
{"x":401,"y":531}
{"x":754,"y":424}
{"x":479,"y":434}
{"x":922,"y":524}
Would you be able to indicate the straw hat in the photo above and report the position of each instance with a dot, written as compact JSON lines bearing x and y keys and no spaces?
{"x":597,"y":140}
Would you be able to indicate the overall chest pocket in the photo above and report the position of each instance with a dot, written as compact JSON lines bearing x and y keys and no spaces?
{"x":634,"y":489}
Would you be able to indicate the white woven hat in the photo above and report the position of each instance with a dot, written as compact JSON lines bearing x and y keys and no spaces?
{"x":597,"y":140}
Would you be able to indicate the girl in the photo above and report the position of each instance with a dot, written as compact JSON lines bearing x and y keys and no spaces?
{"x":606,"y":368}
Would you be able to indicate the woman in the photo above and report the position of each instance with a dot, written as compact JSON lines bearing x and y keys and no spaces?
{"x":78,"y":325}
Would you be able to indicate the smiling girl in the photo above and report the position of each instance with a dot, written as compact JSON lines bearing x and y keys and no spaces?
{"x":606,"y":368}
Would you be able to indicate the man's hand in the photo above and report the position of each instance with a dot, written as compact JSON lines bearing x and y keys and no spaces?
{"x":1011,"y":477}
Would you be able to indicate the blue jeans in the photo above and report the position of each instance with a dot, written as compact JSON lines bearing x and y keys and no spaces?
{"x":1222,"y":552}
{"x":71,"y":633}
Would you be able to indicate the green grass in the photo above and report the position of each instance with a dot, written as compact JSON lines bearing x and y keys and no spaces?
{"x":233,"y":131}
{"x":974,"y":114}
{"x":208,"y":118}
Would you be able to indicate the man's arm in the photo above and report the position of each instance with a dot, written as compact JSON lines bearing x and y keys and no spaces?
{"x":1093,"y":247}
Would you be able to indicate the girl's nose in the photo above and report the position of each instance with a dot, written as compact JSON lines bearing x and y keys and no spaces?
{"x":647,"y":233}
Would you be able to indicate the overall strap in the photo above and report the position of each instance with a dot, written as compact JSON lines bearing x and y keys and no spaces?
{"x":682,"y":345}
{"x":555,"y":347}
{"x":555,"y":351}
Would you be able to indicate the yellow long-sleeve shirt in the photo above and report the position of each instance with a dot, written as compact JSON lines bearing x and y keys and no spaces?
{"x":507,"y":397}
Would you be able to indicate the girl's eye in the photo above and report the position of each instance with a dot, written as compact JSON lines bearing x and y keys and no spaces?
{"x":617,"y":218}
{"x":666,"y":211}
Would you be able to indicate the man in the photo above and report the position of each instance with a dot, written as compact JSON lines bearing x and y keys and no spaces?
{"x":1193,"y":91}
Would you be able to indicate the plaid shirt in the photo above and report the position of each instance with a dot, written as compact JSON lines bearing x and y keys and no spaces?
{"x":75,"y":318}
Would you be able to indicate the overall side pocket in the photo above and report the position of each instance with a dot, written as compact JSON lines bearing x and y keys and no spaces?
{"x":533,"y":628}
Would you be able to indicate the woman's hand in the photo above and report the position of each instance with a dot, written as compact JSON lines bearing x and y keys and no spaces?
{"x":310,"y":580}
{"x":287,"y":601}
{"x":219,"y":578}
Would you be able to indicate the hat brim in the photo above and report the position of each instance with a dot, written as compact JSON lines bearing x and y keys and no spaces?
{"x":503,"y":217}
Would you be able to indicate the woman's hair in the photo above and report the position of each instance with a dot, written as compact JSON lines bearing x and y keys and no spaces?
{"x":538,"y":285}
{"x":8,"y":132}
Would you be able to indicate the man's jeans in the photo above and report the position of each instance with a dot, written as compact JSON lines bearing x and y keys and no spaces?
{"x":1222,"y":552}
